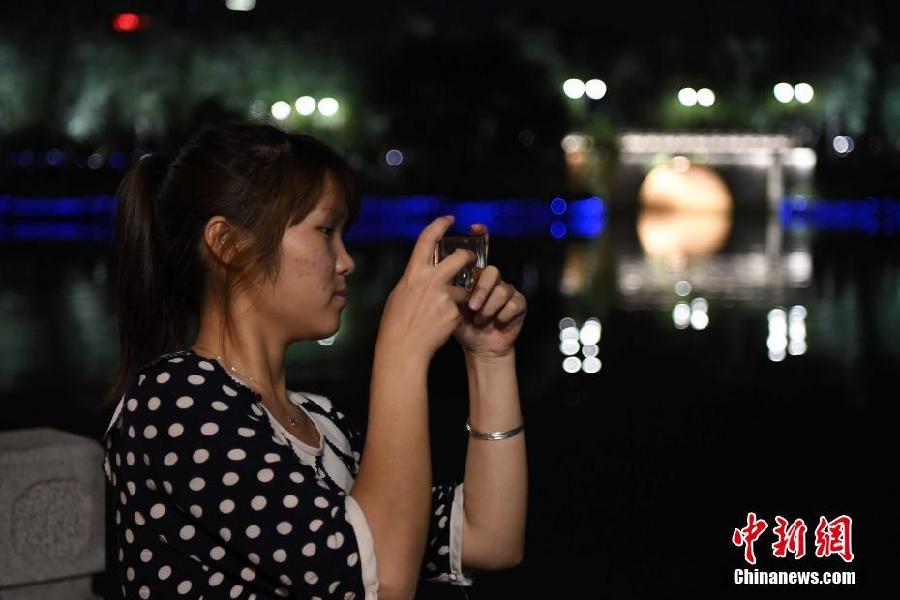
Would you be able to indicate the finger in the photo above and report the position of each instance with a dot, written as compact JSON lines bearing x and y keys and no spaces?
{"x":481,"y":228}
{"x":516,"y":306}
{"x":447,"y":269}
{"x":500,"y":295}
{"x":458,"y":294}
{"x":423,"y":251}
{"x":486,"y":282}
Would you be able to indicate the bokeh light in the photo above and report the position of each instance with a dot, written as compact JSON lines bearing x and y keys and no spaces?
{"x":281,"y":110}
{"x":595,"y":89}
{"x":803,"y":93}
{"x":573,"y":88}
{"x":305,"y":105}
{"x":784,"y":92}
{"x":687,"y":96}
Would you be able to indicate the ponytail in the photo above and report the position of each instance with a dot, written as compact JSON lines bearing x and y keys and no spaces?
{"x":145,"y":327}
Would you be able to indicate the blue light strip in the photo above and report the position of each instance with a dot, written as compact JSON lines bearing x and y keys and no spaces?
{"x":870,"y":215}
{"x":381,"y":218}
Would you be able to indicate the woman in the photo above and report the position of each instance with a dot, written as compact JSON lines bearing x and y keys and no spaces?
{"x":229,"y":485}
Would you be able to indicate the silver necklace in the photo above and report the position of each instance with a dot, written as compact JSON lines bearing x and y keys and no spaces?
{"x":248,"y":378}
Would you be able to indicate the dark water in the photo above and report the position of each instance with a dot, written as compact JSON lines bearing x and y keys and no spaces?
{"x":639,"y":472}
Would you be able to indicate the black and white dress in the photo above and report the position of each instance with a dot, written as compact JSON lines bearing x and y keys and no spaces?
{"x":215,"y":499}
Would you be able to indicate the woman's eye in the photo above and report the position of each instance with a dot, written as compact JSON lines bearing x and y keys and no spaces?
{"x":327,"y":230}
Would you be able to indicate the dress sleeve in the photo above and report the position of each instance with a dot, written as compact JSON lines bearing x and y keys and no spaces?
{"x":443,"y":551}
{"x":225,"y":492}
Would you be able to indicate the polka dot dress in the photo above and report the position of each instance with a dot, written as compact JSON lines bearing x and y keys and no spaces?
{"x":215,"y":499}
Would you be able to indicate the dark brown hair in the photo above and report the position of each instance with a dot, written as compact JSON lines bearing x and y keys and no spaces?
{"x":260,"y":178}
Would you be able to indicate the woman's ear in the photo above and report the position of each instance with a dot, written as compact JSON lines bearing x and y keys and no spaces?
{"x":220,"y":239}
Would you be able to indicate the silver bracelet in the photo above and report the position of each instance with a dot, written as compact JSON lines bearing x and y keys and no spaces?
{"x":494,"y":435}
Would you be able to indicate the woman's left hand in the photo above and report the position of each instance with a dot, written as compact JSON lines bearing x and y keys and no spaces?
{"x":491,"y":328}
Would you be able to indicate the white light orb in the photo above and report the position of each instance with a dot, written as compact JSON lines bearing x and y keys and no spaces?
{"x":571,"y":364}
{"x":687,"y":96}
{"x":573,"y":88}
{"x":328,"y":106}
{"x":803,"y":92}
{"x":705,"y":97}
{"x":305,"y":105}
{"x":591,"y":365}
{"x":784,"y":92}
{"x":595,"y":89}
{"x":281,"y":110}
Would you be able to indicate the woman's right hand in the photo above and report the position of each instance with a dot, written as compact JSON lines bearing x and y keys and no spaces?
{"x":423,"y":309}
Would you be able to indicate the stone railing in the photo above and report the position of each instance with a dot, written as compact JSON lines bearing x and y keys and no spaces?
{"x":52,"y":494}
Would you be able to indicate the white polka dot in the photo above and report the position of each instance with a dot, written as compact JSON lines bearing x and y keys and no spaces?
{"x":167,"y":486}
{"x":162,"y":377}
{"x":141,"y":379}
{"x":265,"y":475}
{"x":431,"y":566}
{"x":184,"y":402}
{"x":196,"y":511}
{"x":197,"y":484}
{"x":321,"y":502}
{"x":309,"y":549}
{"x":131,"y":487}
{"x":184,"y":587}
{"x":279,"y":555}
{"x":226,"y":506}
{"x":280,"y":591}
{"x":284,"y":528}
{"x":153,"y":403}
{"x":350,"y":596}
{"x":443,"y":550}
{"x":246,"y":432}
{"x":230,"y":478}
{"x":334,"y":511}
{"x":177,"y":359}
{"x":236,"y":591}
{"x":228,"y":390}
{"x":285,"y":580}
{"x":442,"y":522}
{"x":146,"y":459}
{"x":118,"y":459}
{"x":170,"y":459}
{"x":144,"y":592}
{"x":271,"y":457}
{"x":209,"y":429}
{"x":149,"y":432}
{"x":254,"y":558}
{"x":131,"y":431}
{"x":333,"y":586}
{"x":247,"y":574}
{"x":310,"y":577}
{"x":157,"y":510}
{"x":290,"y":501}
{"x":252,"y":531}
{"x":335,"y":540}
{"x":151,"y":485}
{"x":129,"y":458}
{"x":258,"y":502}
{"x":196,"y":379}
{"x":216,"y":578}
{"x":139,"y":518}
{"x":315,"y":524}
{"x":132,"y":404}
{"x":146,"y":555}
{"x":219,"y":405}
{"x":129,"y":535}
{"x":351,"y":560}
{"x":296,"y":477}
{"x":200,"y":455}
{"x":440,"y":510}
{"x":237,"y":454}
{"x":255,"y":408}
{"x":130,"y":573}
{"x":225,"y":533}
{"x":187,"y":532}
{"x":123,"y":498}
{"x":164,"y":572}
{"x":217,"y":553}
{"x":176,"y":429}
{"x":205,"y":365}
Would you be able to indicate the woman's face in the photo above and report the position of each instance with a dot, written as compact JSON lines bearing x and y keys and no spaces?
{"x":315,"y":264}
